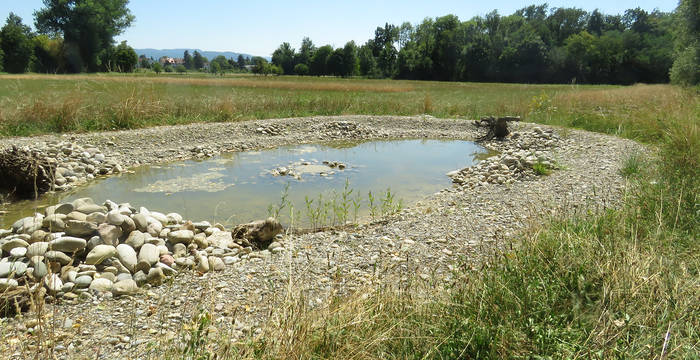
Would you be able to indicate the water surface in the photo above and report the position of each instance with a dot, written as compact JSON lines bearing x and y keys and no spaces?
{"x":239,"y":187}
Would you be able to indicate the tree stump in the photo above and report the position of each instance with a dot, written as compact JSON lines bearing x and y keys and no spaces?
{"x":258,"y":234}
{"x":24,"y":173}
{"x":497,"y":127}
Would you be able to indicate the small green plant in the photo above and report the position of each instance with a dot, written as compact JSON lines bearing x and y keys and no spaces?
{"x":196,"y":338}
{"x":632,"y":166}
{"x":373,"y":210}
{"x":541,"y":169}
{"x":274,"y":210}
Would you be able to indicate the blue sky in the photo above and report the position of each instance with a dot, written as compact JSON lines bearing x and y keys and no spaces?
{"x":257,"y":27}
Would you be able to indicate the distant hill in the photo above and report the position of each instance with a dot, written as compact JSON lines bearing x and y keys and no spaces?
{"x":177,"y":53}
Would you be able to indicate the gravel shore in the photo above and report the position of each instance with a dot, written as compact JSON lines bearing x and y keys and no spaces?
{"x":485,"y":208}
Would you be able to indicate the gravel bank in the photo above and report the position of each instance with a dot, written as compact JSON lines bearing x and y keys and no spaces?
{"x":485,"y":208}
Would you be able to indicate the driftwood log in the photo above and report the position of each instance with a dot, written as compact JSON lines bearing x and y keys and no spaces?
{"x":497,"y":127}
{"x":258,"y":234}
{"x":24,"y":173}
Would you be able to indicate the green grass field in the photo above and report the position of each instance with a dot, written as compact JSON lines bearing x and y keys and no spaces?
{"x":35,"y":104}
{"x":620,"y":284}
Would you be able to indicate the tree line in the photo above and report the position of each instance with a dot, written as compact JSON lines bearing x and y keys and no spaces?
{"x":536,"y":44}
{"x":72,"y":36}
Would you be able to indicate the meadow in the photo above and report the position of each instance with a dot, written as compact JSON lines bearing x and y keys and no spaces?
{"x":619,"y":283}
{"x":35,"y":104}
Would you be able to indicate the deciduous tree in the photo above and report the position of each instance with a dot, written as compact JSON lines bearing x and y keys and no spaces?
{"x":88,"y":27}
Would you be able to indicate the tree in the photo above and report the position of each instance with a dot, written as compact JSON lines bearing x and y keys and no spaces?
{"x":241,"y":62}
{"x":157,"y":68}
{"x":144,"y":63}
{"x":349,"y":63}
{"x":334,"y":64}
{"x":125,"y":58}
{"x":180,"y":69}
{"x":319,"y":61}
{"x":306,"y":52}
{"x":261,"y":65}
{"x":189,"y":63}
{"x":686,"y":64}
{"x":17,"y":46}
{"x":284,"y":58}
{"x":301,"y":69}
{"x":215,"y":68}
{"x":88,"y":27}
{"x":198,"y":60}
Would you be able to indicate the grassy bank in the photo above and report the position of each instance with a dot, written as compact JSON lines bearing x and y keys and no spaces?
{"x":36,"y":104}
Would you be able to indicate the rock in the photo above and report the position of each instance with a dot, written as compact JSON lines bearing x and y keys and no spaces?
{"x":18,"y":252}
{"x":202,"y":263}
{"x":80,"y":228}
{"x":40,"y":268}
{"x":67,"y":244}
{"x":127,"y":256}
{"x":140,"y":278}
{"x":8,"y":284}
{"x":39,"y":235}
{"x":101,"y":284}
{"x":106,"y":275}
{"x":136,"y":239}
{"x":12,"y":269}
{"x":167,"y":260}
{"x":74,"y":215}
{"x":13,"y":243}
{"x":96,"y":217}
{"x":155,"y":276}
{"x":100,"y":253}
{"x":179,"y":250}
{"x":215,"y":263}
{"x":149,"y":253}
{"x":141,"y":222}
{"x":228,"y":260}
{"x":125,"y":287}
{"x":128,"y":225}
{"x":160,"y":217}
{"x":64,"y":209}
{"x":115,"y":218}
{"x":167,"y":270}
{"x":258,"y":233}
{"x":174,"y":218}
{"x":57,"y":256}
{"x":91,"y":208}
{"x":82,"y":202}
{"x":83,"y":281}
{"x":109,"y":234}
{"x":37,"y":249}
{"x":221,"y":240}
{"x":53,"y":283}
{"x":124,"y":276}
{"x":154,"y":229}
{"x":181,"y":237}
{"x":54,"y":222}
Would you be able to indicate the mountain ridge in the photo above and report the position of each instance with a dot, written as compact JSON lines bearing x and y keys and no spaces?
{"x":178,"y":53}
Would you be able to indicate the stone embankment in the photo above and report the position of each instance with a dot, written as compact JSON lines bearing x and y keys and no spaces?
{"x":78,"y":248}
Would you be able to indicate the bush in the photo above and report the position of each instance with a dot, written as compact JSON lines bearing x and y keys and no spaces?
{"x":301,"y":69}
{"x":686,"y":67}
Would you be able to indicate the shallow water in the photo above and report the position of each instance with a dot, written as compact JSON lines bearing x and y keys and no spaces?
{"x":239,"y":187}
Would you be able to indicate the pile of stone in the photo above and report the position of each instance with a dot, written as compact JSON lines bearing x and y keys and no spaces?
{"x":78,"y":248}
{"x":73,"y":164}
{"x":519,"y":155}
{"x":200,"y":151}
{"x":299,"y":168}
{"x":343,"y":129}
{"x":270,"y":129}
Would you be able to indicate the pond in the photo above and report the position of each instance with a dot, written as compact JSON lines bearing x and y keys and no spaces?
{"x":244,"y":186}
